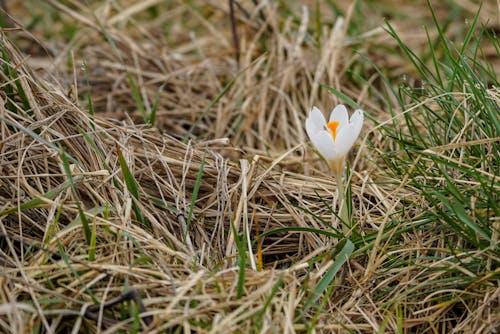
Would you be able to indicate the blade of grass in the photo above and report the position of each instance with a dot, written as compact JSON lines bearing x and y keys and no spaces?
{"x":341,"y":96}
{"x":268,"y":301}
{"x":207,"y":109}
{"x":241,"y":246}
{"x":85,"y":223}
{"x":137,"y":97}
{"x":300,"y":229}
{"x":458,"y":210}
{"x":90,"y":103}
{"x":40,"y":139}
{"x":10,"y":71}
{"x":318,"y":218}
{"x":42,"y":200}
{"x":194,"y":197}
{"x":93,"y":240}
{"x":152,"y":115}
{"x":325,"y":282}
{"x":132,"y":186}
{"x":67,"y":261}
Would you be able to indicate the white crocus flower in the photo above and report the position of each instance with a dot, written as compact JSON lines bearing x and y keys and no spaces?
{"x":334,"y":139}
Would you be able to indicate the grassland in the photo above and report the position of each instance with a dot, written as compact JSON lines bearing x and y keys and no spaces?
{"x":156,"y":176}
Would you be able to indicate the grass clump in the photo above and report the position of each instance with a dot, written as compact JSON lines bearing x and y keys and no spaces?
{"x":444,"y":149}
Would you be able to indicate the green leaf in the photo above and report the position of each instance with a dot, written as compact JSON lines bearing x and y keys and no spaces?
{"x":300,"y":229}
{"x":207,"y":109}
{"x":42,"y":200}
{"x":40,"y":139}
{"x":93,"y":241}
{"x":132,"y":186}
{"x":194,"y":197}
{"x":459,"y":211}
{"x":241,"y":246}
{"x":85,"y":223}
{"x":137,"y":97}
{"x":152,"y":115}
{"x":325,"y":282}
{"x":342,"y":96}
{"x":67,"y":261}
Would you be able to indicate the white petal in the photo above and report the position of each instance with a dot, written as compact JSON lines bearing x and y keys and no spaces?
{"x":317,"y":118}
{"x":348,"y":135}
{"x":345,"y":140}
{"x":357,"y":118}
{"x":339,"y":114}
{"x":323,"y":141}
{"x":311,"y":128}
{"x":357,"y":122}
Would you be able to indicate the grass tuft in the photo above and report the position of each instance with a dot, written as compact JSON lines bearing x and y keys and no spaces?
{"x":168,"y":184}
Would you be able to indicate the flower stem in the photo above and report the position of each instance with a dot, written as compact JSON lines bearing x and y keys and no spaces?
{"x":342,"y":205}
{"x":337,"y":167}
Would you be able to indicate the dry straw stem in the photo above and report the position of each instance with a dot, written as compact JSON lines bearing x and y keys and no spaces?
{"x":186,"y":271}
{"x":169,"y":274}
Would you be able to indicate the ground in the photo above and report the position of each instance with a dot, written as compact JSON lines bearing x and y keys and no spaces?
{"x":156,"y":174}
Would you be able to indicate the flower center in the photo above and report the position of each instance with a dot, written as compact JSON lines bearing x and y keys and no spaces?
{"x":333,"y":128}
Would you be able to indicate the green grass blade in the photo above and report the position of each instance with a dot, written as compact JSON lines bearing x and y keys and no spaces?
{"x":42,"y":200}
{"x":325,"y":282}
{"x":350,"y":102}
{"x":161,"y":203}
{"x":85,"y":223}
{"x":93,"y":241}
{"x":130,"y":181}
{"x":137,"y":97}
{"x":90,"y":103}
{"x":335,"y":232}
{"x":40,"y":139}
{"x":10,"y":71}
{"x":194,"y":197}
{"x":457,"y":209}
{"x":132,"y":186}
{"x":67,"y":261}
{"x":152,"y":115}
{"x":300,"y":229}
{"x":348,"y":194}
{"x":268,"y":301}
{"x":241,"y":246}
{"x":207,"y":109}
{"x":109,"y":38}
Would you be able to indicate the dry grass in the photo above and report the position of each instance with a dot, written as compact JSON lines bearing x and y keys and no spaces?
{"x":211,"y":167}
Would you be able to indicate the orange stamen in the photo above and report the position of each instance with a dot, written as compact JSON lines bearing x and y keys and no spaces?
{"x":333,"y":128}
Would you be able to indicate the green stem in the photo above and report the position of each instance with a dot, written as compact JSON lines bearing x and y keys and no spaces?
{"x":342,"y":205}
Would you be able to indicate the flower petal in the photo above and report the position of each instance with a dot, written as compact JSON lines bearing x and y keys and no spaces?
{"x":357,"y":118}
{"x":311,"y":129}
{"x":315,"y":122}
{"x":323,"y":141}
{"x":339,"y":114}
{"x":345,"y":140}
{"x":348,"y":135}
{"x":317,"y":118}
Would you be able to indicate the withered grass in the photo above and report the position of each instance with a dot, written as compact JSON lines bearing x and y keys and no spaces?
{"x":226,"y":162}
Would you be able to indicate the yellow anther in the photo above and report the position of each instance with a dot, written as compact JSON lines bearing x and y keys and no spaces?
{"x":333,"y":128}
